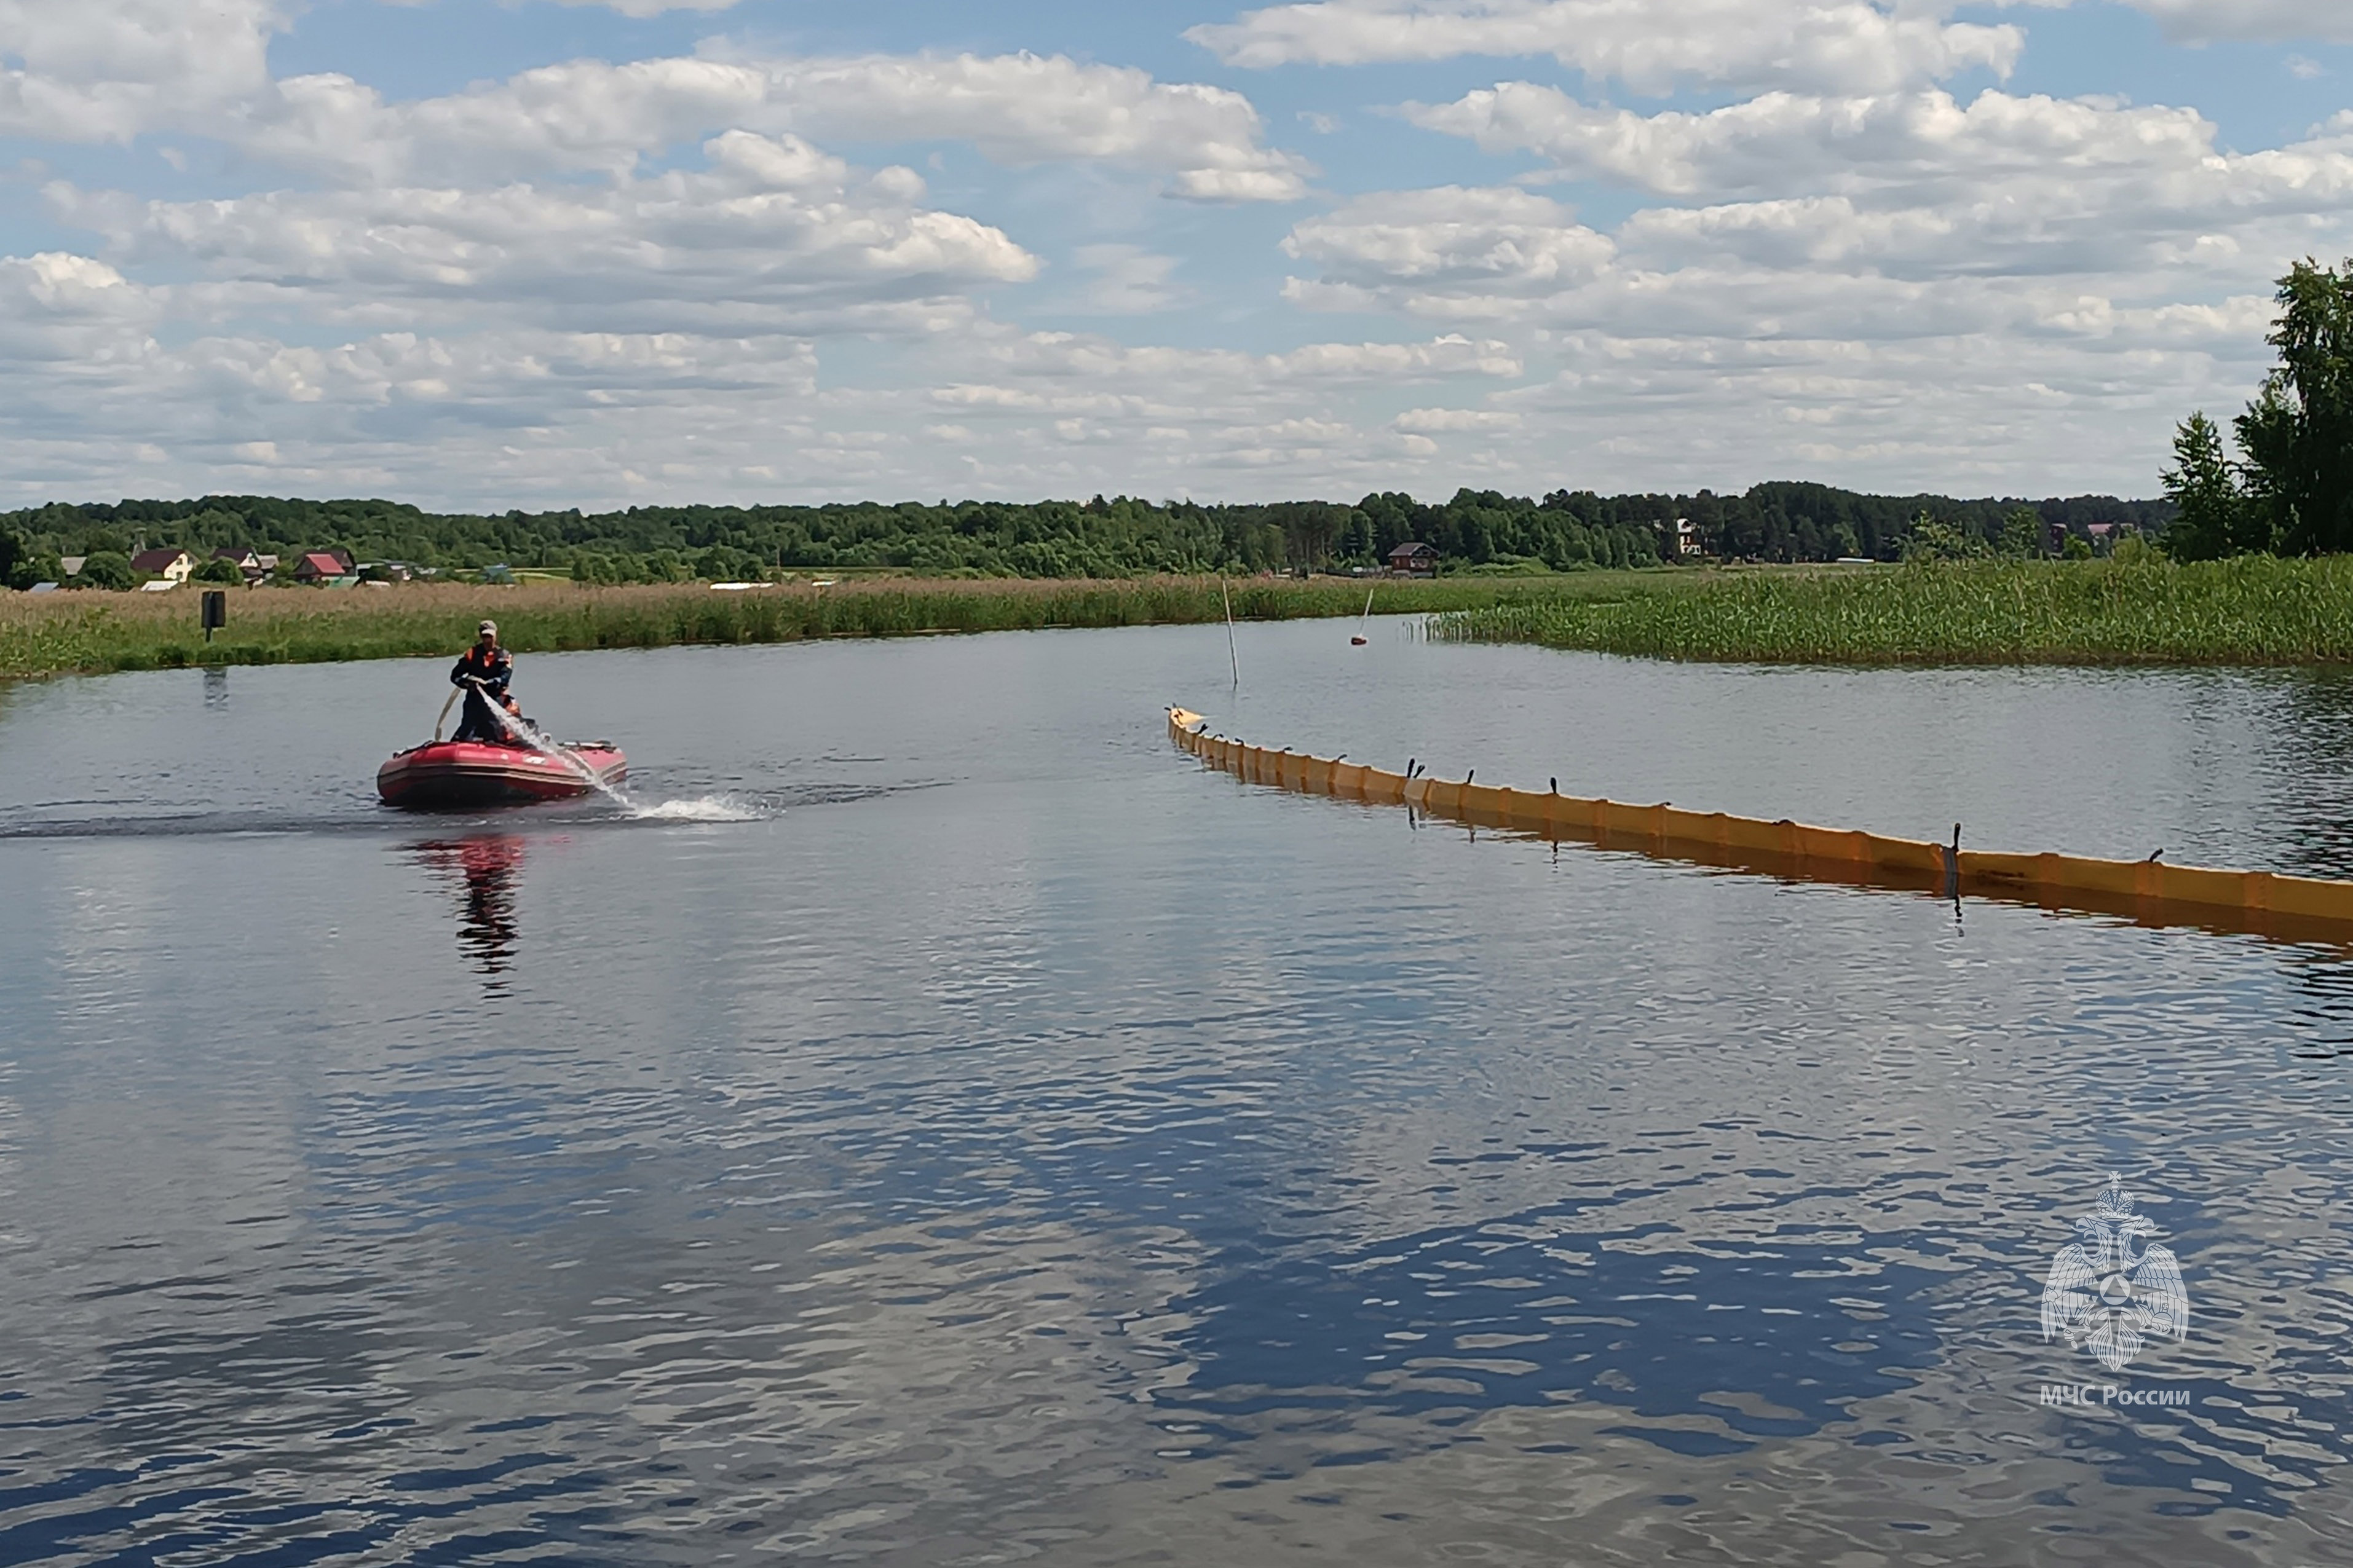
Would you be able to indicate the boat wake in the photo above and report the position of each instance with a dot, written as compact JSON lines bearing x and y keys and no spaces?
{"x":352,"y":812}
{"x":701,"y":808}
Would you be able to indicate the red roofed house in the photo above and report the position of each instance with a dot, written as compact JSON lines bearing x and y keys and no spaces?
{"x":322,"y":566}
{"x":171,"y":565}
{"x":1414,"y":558}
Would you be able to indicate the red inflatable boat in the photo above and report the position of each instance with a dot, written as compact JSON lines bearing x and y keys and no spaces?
{"x":453,"y":775}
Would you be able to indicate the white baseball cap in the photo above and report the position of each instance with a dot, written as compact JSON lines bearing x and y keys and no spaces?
{"x":488,"y":629}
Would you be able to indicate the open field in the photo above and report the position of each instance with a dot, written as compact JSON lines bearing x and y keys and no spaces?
{"x":2253,"y":610}
{"x":93,"y":632}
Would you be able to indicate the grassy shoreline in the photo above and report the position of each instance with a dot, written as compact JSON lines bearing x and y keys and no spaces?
{"x":2251,"y":611}
{"x":94,"y":633}
{"x":2255,"y":610}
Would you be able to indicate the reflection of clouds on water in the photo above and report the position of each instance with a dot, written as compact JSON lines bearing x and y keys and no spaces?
{"x":1565,"y":1483}
{"x":12,"y":1208}
{"x":2303,"y":748}
{"x":1093,"y":1160}
{"x":488,"y":871}
{"x":1783,"y":1163}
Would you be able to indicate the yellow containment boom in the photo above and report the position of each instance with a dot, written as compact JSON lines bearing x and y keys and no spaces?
{"x":2292,"y":909}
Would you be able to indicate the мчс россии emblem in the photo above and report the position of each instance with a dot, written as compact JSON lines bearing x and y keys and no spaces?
{"x":2108,"y":1298}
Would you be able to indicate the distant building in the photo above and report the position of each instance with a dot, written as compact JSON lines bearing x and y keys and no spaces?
{"x":1688,"y":544}
{"x":71,"y":564}
{"x":170,"y":565}
{"x":322,"y":566}
{"x":1413,"y":559}
{"x":246,"y":562}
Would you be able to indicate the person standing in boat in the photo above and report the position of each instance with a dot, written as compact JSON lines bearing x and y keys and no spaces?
{"x":484,"y":671}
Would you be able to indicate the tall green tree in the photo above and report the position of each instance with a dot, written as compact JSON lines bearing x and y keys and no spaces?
{"x":24,"y":562}
{"x":2298,"y":433}
{"x":1933,"y":539}
{"x":107,"y":569}
{"x":2215,"y":515}
{"x":2021,"y":533}
{"x":15,"y":560}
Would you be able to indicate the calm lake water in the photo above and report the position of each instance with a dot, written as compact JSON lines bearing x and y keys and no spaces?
{"x":950,"y":1126}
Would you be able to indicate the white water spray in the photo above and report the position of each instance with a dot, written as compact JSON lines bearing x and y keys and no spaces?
{"x":532,"y":735}
{"x":704,"y":808}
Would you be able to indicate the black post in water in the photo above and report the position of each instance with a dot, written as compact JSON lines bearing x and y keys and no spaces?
{"x":213,"y":611}
{"x":1953,"y":867}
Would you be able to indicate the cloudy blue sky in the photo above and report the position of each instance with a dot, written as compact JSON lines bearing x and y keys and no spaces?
{"x":605,"y":251}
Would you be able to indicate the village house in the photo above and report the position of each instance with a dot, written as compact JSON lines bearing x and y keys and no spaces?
{"x":248,"y":564}
{"x":1414,"y":558}
{"x":170,"y":565}
{"x":323,"y":566}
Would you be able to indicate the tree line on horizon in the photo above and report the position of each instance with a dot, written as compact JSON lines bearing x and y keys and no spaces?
{"x":2287,"y":491}
{"x":1483,"y":531}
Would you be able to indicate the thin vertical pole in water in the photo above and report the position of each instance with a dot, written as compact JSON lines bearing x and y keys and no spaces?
{"x":1231,"y":652}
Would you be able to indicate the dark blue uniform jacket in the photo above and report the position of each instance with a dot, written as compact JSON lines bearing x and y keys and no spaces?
{"x":494,"y":669}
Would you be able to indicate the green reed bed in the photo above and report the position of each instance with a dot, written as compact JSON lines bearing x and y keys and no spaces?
{"x":2256,"y":610}
{"x":94,"y":632}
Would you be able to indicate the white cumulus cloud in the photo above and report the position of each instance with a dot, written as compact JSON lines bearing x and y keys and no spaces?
{"x":581,"y":115}
{"x":1029,"y":108}
{"x":653,"y":7}
{"x":97,"y":70}
{"x":1451,"y":421}
{"x":105,"y":70}
{"x":1870,"y":284}
{"x":1463,"y":241}
{"x":1919,"y":184}
{"x":771,"y":235}
{"x":1018,"y":109}
{"x":1779,"y":138}
{"x":596,"y":280}
{"x":1853,"y":46}
{"x":60,"y":309}
{"x":2322,"y":21}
